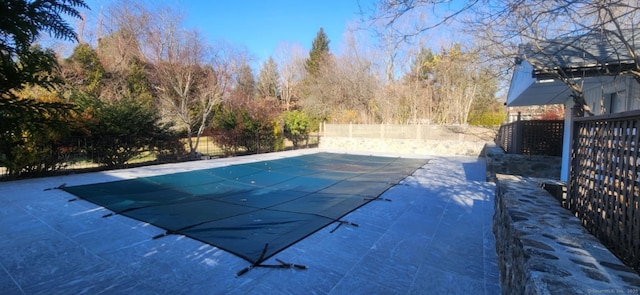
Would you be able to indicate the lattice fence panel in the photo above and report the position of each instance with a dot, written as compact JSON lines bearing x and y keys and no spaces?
{"x":507,"y":137}
{"x":532,"y":137}
{"x":605,"y":182}
{"x":542,"y":138}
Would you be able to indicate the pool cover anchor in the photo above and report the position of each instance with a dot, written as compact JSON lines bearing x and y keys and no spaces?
{"x":164,"y":234}
{"x":250,"y":267}
{"x":258,"y":263}
{"x":341,"y":222}
{"x":123,"y":211}
{"x":57,"y":187}
{"x":377,"y":199}
{"x":283,"y":265}
{"x":62,"y":186}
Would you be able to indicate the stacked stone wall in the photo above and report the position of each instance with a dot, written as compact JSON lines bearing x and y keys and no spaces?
{"x":531,"y":166}
{"x":405,"y":146}
{"x":543,"y":249}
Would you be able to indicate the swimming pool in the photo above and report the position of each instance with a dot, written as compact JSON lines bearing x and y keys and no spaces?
{"x":254,"y":210}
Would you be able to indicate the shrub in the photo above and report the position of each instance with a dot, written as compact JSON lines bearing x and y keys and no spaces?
{"x":297,"y":126}
{"x":486,"y":118}
{"x":33,"y":132}
{"x":34,"y":152}
{"x":122,"y":130}
{"x":255,"y":132}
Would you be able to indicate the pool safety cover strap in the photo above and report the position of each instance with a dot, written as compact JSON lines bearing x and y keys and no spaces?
{"x":253,"y":210}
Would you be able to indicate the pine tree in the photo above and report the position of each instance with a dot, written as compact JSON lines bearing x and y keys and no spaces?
{"x":246,"y":84}
{"x":318,"y":54}
{"x":422,"y":65}
{"x":86,"y":71}
{"x":268,"y":80}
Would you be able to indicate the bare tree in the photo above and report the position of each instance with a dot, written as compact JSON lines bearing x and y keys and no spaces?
{"x":396,"y":42}
{"x":189,"y":76}
{"x":290,"y":61}
{"x":419,"y":16}
{"x":121,"y":33}
{"x":389,"y":46}
{"x":418,"y":90}
{"x":344,"y":87}
{"x":549,"y":30}
{"x":458,"y":78}
{"x":125,"y":25}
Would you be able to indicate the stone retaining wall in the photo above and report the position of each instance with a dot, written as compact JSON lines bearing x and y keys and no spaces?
{"x":405,"y":146}
{"x":543,"y":249}
{"x":531,"y":166}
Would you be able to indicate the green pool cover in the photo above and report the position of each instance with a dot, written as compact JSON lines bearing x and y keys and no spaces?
{"x":253,"y":210}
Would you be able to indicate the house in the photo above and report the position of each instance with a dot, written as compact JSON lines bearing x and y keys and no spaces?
{"x":592,"y":69}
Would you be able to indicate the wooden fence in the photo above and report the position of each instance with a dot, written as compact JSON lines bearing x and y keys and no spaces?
{"x":532,"y":137}
{"x":604,"y":186}
{"x":408,"y":131}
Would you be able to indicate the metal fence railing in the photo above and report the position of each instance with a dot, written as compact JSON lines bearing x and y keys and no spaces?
{"x":604,"y":186}
{"x":77,"y":154}
{"x":222,"y":144}
{"x":80,"y":153}
{"x":532,"y":137}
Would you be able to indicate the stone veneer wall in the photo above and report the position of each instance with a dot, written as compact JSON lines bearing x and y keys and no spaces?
{"x":543,"y":249}
{"x":513,"y":164}
{"x":405,"y":146}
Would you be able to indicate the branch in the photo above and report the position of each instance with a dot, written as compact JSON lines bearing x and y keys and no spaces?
{"x":623,"y":39}
{"x":398,"y":9}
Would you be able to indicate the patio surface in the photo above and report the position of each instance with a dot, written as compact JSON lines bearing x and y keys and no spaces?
{"x":433,"y":237}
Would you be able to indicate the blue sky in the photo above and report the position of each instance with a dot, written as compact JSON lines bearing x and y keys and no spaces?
{"x":260,"y":25}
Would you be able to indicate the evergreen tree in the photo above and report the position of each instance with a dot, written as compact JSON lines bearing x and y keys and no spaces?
{"x":318,"y":54}
{"x":85,"y":72}
{"x":23,"y":65}
{"x":138,"y":85}
{"x":268,"y":80}
{"x":245,"y":82}
{"x":422,"y":65}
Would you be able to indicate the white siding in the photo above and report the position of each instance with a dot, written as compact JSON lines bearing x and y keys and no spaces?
{"x":633,"y":94}
{"x":520,"y":81}
{"x":620,"y":95}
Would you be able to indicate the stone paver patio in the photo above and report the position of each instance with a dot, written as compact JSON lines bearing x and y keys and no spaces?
{"x":434,"y":237}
